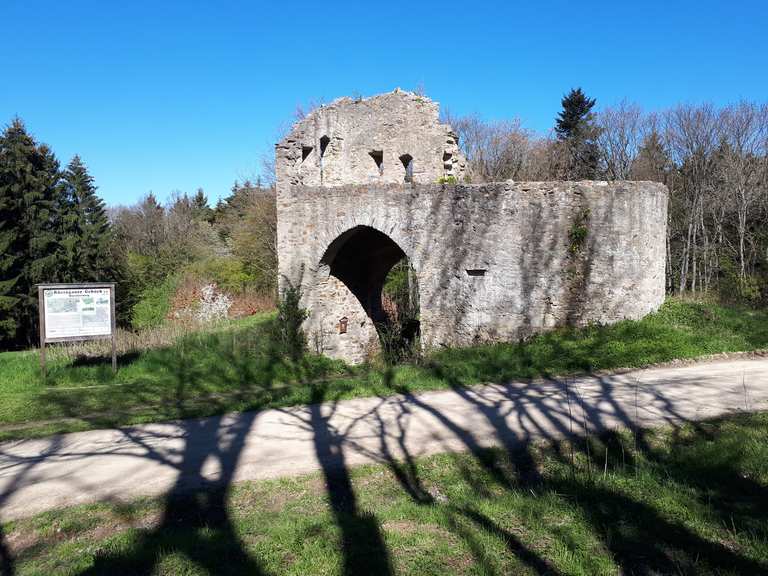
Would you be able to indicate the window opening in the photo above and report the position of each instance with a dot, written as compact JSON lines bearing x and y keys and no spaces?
{"x":378,"y":157}
{"x":407,"y":161}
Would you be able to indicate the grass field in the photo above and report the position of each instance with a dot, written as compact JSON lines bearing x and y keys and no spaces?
{"x":689,"y":500}
{"x":240,"y":369}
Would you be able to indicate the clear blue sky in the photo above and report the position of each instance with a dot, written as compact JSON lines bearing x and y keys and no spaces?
{"x":171,"y":95}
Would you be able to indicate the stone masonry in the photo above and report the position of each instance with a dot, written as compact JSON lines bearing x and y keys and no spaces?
{"x":493,"y":262}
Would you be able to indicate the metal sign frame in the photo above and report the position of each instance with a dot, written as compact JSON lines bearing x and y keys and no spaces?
{"x":41,"y":288}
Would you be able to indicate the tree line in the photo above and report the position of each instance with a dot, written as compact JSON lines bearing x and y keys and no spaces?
{"x":179,"y":245}
{"x":53,"y":228}
{"x":714,"y":160}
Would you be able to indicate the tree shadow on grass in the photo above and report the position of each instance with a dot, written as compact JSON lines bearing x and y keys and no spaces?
{"x":639,"y":536}
{"x":196,"y":523}
{"x":362,"y":545}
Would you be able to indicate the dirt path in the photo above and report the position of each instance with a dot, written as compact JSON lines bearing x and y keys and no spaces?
{"x":37,"y":475}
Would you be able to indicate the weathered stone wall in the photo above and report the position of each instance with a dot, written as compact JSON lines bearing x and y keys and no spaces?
{"x":493,"y":262}
{"x":362,"y":141}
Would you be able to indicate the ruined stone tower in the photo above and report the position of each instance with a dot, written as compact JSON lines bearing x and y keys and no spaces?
{"x":363,"y":183}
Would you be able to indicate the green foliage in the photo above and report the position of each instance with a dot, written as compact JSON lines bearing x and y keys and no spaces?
{"x":575,"y":115}
{"x":579,"y":231}
{"x":577,"y":133}
{"x":399,"y":335}
{"x":447,"y":180}
{"x":53,"y":228}
{"x":737,"y":289}
{"x":227,"y":272}
{"x":86,"y":239}
{"x":250,"y":223}
{"x":290,"y":317}
{"x":202,"y":211}
{"x":30,"y":213}
{"x":396,"y":284}
{"x":154,"y":304}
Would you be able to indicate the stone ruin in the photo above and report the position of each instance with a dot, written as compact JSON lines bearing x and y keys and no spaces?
{"x":364,"y":183}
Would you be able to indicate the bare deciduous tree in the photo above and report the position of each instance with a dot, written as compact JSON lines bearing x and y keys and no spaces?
{"x":620,"y":138}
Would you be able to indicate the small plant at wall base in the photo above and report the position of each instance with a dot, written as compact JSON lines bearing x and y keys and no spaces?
{"x":579,"y":231}
{"x":447,"y":180}
{"x":290,"y":316}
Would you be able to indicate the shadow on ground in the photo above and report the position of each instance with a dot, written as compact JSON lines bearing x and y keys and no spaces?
{"x":640,"y":538}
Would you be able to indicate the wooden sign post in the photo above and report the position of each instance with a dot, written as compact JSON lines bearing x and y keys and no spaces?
{"x":76,"y":312}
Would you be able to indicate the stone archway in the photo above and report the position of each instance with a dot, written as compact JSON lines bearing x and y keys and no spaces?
{"x":356,"y":265}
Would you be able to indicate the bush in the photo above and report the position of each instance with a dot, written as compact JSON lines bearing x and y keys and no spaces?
{"x":154,"y":304}
{"x":226,"y":272}
{"x":734,"y":289}
{"x":290,"y":316}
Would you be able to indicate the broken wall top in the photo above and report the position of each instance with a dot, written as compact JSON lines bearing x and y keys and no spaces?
{"x":386,"y":139}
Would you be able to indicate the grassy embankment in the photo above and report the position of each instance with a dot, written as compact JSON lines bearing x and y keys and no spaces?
{"x":691,"y":500}
{"x":240,"y":369}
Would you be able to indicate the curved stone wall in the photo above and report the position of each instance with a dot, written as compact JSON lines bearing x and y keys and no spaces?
{"x":494,"y":262}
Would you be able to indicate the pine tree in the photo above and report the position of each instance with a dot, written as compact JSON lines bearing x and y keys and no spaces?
{"x":202,"y":211}
{"x":30,"y":189}
{"x":11,"y":240}
{"x":577,"y":133}
{"x":86,"y":233}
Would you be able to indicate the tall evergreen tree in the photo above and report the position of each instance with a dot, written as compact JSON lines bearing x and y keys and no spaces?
{"x":202,"y":211}
{"x":12,"y":243}
{"x":30,"y":189}
{"x":86,"y":233}
{"x":577,"y":132}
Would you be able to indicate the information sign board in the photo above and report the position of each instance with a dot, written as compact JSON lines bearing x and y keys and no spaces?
{"x":73,"y":312}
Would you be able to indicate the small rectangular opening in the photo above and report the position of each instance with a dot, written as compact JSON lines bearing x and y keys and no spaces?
{"x":476,"y":272}
{"x":305,"y":152}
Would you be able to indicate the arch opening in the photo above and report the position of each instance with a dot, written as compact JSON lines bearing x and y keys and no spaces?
{"x":379,"y":274}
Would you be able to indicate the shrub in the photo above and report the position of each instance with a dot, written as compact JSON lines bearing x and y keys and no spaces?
{"x":226,"y":272}
{"x":290,"y":316}
{"x":579,"y":231}
{"x":154,"y":304}
{"x":734,"y":289}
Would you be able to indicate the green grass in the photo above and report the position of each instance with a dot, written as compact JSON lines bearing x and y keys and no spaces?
{"x":688,"y":500}
{"x":240,"y":369}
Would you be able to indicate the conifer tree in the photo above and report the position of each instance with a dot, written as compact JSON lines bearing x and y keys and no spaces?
{"x":577,"y":133}
{"x":30,"y":190}
{"x":201,"y":210}
{"x":11,"y":240}
{"x":86,"y":232}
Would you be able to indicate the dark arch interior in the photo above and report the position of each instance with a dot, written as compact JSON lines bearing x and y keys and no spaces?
{"x":361,"y":258}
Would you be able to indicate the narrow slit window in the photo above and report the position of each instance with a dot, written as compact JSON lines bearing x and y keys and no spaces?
{"x":324,"y":141}
{"x":407,"y":161}
{"x":305,"y":152}
{"x":476,"y":272}
{"x":378,"y":158}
